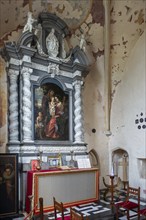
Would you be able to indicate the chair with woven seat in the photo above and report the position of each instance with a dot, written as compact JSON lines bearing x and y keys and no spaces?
{"x":58,"y":206}
{"x":129,"y":205}
{"x":75,"y":215}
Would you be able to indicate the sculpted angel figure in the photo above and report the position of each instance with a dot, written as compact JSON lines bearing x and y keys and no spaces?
{"x":83,"y":43}
{"x":29,"y":24}
{"x":52,"y":44}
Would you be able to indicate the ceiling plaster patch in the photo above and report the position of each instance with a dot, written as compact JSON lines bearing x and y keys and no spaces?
{"x":140,"y":19}
{"x":98,"y":12}
{"x":96,"y":37}
{"x":73,"y":12}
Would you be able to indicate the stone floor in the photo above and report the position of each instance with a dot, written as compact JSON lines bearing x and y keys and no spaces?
{"x":100,"y":210}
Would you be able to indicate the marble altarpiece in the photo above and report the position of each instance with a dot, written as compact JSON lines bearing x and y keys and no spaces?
{"x":39,"y":62}
{"x":45,"y":82}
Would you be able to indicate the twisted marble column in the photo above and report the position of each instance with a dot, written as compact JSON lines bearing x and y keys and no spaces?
{"x":13,"y":106}
{"x":78,"y":128}
{"x":26,"y":105}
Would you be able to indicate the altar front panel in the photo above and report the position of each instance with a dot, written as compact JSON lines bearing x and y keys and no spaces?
{"x":70,"y":186}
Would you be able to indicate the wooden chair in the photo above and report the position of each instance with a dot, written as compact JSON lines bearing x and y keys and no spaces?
{"x":41,"y":208}
{"x":41,"y":215}
{"x":58,"y":206}
{"x":143,"y":212}
{"x":128,"y":205}
{"x":75,"y":216}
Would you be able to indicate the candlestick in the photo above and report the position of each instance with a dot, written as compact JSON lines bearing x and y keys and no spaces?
{"x":112,"y":171}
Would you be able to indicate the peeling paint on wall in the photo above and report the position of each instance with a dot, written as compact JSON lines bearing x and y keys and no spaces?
{"x":3,"y":95}
{"x":98,"y":17}
{"x":87,"y":17}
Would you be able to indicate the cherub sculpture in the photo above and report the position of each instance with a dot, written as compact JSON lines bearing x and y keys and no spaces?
{"x":83,"y":43}
{"x":29,"y":24}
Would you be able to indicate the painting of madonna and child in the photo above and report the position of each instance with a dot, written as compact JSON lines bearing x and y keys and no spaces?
{"x":51,"y":113}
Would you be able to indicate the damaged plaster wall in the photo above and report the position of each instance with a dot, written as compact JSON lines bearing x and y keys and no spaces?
{"x":127,"y":26}
{"x":128,"y":114}
{"x":87,"y":17}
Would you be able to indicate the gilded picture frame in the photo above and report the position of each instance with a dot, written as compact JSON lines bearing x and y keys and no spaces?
{"x":51,"y":113}
{"x":55,"y":161}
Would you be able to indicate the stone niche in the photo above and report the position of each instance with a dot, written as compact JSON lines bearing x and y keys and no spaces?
{"x":45,"y":77}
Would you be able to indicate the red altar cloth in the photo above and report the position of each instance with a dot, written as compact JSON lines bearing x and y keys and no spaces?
{"x":29,"y":185}
{"x":65,"y":218}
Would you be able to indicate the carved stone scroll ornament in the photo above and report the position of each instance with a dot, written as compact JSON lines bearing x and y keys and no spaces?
{"x":13,"y":106}
{"x":38,"y":38}
{"x":26,"y":105}
{"x":40,"y":50}
{"x":53,"y":69}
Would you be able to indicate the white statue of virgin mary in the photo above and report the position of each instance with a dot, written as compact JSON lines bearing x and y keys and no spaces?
{"x":52,"y":44}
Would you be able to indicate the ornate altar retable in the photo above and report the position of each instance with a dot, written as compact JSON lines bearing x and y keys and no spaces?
{"x":45,"y":81}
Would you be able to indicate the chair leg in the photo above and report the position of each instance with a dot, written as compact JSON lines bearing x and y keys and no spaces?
{"x":138,"y":216}
{"x":117,"y":213}
{"x":128,"y":214}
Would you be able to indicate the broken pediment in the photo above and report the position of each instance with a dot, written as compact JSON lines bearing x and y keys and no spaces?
{"x":45,"y":39}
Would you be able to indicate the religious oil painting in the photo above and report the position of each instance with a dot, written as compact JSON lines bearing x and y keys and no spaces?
{"x":51,"y":113}
{"x":8,"y":185}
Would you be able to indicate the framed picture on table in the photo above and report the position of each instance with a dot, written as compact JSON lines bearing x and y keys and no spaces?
{"x":8,"y":184}
{"x":54,"y":161}
{"x":34,"y":164}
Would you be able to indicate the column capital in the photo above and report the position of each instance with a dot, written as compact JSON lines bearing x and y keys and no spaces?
{"x":26,"y":70}
{"x":12,"y":72}
{"x":78,"y":82}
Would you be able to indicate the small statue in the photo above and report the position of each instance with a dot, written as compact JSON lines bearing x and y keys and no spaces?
{"x":63,"y":48}
{"x":83,"y":43}
{"x":52,"y":44}
{"x":29,"y":24}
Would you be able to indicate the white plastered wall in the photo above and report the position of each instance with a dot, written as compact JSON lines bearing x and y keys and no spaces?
{"x":128,"y":104}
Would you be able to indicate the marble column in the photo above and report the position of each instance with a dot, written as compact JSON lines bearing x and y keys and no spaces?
{"x":13,"y":106}
{"x":26,"y":105}
{"x":78,"y":120}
